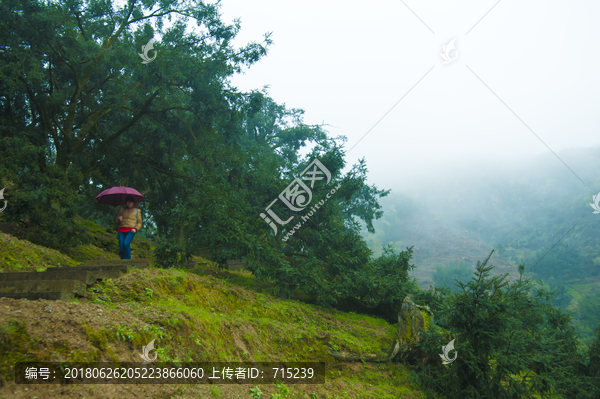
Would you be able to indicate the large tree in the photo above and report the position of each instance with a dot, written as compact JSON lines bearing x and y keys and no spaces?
{"x":80,"y":111}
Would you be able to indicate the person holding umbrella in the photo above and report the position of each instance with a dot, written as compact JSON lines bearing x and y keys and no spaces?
{"x":129,"y":218}
{"x":130,"y":222}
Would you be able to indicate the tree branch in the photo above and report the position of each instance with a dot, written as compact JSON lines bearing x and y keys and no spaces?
{"x":153,"y":164}
{"x":82,"y":138}
{"x":79,"y":24}
{"x":132,"y":121}
{"x":154,"y":14}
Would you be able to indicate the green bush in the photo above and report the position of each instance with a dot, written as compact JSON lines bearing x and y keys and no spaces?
{"x":170,"y":254}
{"x":255,"y":393}
{"x":511,"y":342}
{"x":451,"y":273}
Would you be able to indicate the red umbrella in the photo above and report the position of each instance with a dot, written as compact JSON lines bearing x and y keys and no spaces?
{"x":116,"y":196}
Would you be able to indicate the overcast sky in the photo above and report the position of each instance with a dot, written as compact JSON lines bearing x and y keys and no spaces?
{"x":347,"y":63}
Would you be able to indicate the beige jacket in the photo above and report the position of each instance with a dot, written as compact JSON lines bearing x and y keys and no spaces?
{"x":129,"y":219}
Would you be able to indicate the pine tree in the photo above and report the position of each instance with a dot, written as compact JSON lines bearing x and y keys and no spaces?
{"x":511,"y":343}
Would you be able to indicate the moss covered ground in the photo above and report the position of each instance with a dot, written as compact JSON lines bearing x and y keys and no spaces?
{"x":200,"y":314}
{"x":20,"y":255}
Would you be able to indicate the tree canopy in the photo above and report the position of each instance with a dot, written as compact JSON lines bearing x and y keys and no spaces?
{"x":80,"y":113}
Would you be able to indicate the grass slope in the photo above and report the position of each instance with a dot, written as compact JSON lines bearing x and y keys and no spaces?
{"x":31,"y":255}
{"x":195,"y":315}
{"x":22,"y":256}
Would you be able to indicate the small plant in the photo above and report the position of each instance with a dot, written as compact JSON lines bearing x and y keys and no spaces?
{"x":155,"y":331}
{"x":169,"y":254}
{"x":149,"y":292}
{"x":124,"y":333}
{"x":174,"y":283}
{"x":255,"y":393}
{"x":215,"y":391}
{"x":284,"y":392}
{"x":161,"y":353}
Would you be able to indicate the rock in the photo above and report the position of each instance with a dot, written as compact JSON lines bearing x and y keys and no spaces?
{"x":411,"y":319}
{"x":104,"y":297}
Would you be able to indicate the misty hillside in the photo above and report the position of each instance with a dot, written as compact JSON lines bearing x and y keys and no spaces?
{"x":342,"y":182}
{"x":538,"y":214}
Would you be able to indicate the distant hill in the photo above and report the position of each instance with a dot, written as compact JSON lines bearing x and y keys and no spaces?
{"x":537,"y":213}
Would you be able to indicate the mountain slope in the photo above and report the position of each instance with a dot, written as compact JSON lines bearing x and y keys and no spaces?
{"x":201,"y":314}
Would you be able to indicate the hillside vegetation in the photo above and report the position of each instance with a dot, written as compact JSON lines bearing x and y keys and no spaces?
{"x":200,"y":314}
{"x":236,"y":175}
{"x":536,"y":215}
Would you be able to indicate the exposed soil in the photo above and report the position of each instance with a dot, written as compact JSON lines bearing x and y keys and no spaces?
{"x":65,"y":331}
{"x":58,"y":321}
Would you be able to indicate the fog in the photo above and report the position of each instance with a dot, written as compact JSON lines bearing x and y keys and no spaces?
{"x":524,"y":82}
{"x":477,"y":122}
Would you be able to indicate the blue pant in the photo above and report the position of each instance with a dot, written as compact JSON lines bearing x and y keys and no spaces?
{"x":124,"y":241}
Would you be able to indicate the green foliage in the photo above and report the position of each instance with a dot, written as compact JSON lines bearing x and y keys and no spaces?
{"x":124,"y":333}
{"x":208,"y":158}
{"x":385,"y":281}
{"x":450,"y":274}
{"x":20,"y":255}
{"x":534,"y":221}
{"x":255,"y":393}
{"x":216,"y":391}
{"x":594,"y":357}
{"x":562,"y":298}
{"x":80,"y":112}
{"x":284,"y":392}
{"x":15,"y":346}
{"x":327,"y":255}
{"x":511,"y":342}
{"x":564,"y":260}
{"x":170,"y":254}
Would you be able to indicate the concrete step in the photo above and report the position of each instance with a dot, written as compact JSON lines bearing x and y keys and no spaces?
{"x":110,"y":271}
{"x":85,"y":276}
{"x":27,"y":286}
{"x":105,"y":274}
{"x":236,"y":265}
{"x":98,"y":272}
{"x":32,"y":296}
{"x":139,"y":263}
